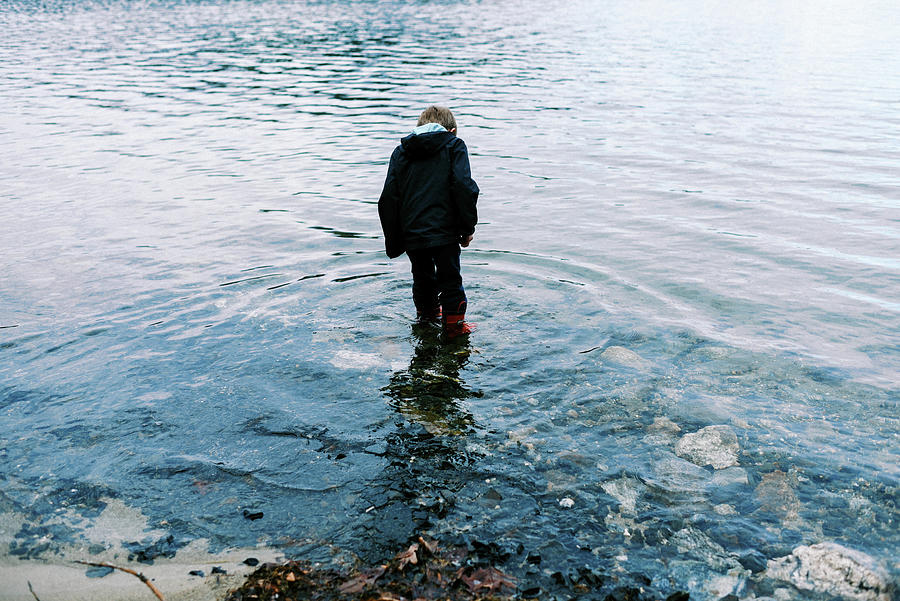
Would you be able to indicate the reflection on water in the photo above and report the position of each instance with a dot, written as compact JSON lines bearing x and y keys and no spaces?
{"x":429,"y":391}
{"x":427,"y":455}
{"x":689,"y":238}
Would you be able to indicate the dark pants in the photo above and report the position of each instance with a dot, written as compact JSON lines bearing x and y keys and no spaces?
{"x":436,"y":279}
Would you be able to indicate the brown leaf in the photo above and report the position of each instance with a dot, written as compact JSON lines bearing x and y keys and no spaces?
{"x":358,"y":584}
{"x":491,"y":579}
{"x":408,"y":556}
{"x":431,"y":547}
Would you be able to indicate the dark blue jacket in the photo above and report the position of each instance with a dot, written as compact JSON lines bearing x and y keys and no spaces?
{"x":429,"y":196}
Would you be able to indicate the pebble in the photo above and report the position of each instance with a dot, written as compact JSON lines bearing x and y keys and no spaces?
{"x":566,"y":503}
{"x":713,"y":445}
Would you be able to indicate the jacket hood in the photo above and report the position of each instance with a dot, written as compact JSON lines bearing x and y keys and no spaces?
{"x":421,"y":145}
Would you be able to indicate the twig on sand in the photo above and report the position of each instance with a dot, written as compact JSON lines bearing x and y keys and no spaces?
{"x":33,"y":594}
{"x":140,"y":576}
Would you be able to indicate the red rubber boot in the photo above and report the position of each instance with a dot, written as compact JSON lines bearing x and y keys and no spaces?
{"x":432,"y":316}
{"x":455,"y":324}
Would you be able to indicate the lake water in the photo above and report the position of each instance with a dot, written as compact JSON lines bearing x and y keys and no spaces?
{"x":690,"y":217}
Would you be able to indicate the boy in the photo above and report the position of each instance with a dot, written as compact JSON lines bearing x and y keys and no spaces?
{"x":427,"y":209}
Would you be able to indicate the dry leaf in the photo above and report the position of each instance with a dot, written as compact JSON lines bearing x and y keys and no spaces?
{"x":408,"y":556}
{"x":431,"y":547}
{"x":358,"y":584}
{"x":491,"y":579}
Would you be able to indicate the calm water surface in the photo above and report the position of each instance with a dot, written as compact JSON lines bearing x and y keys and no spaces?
{"x":198,"y":318}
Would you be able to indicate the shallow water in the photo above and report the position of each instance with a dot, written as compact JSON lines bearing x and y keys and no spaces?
{"x":198,"y":318}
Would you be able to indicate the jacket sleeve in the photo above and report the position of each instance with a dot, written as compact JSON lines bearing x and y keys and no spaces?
{"x":389,"y":211}
{"x":463,"y":189}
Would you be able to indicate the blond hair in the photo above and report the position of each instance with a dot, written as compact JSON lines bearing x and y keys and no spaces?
{"x":438,"y":114}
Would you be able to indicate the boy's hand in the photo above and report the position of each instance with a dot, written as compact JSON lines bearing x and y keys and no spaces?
{"x":465,"y":240}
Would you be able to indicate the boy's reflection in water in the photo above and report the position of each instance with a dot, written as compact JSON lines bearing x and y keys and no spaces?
{"x":427,"y":455}
{"x":428,"y":392}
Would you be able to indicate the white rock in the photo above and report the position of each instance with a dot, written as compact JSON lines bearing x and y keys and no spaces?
{"x":725,"y":509}
{"x":626,"y":491}
{"x":832,"y":569}
{"x":713,"y":445}
{"x":566,"y":503}
{"x":696,"y":544}
{"x":623,"y":356}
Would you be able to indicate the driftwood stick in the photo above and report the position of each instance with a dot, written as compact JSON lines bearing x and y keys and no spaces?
{"x":33,"y":594}
{"x":140,"y":576}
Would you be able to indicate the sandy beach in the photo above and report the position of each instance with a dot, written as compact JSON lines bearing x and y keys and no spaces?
{"x":55,"y":573}
{"x":65,"y":580}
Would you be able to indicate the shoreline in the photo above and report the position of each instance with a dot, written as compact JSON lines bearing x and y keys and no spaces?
{"x":63,"y":579}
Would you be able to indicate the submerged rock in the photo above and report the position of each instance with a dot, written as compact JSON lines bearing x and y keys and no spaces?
{"x":706,"y":569}
{"x":624,"y":356}
{"x":662,"y":432}
{"x":775,"y":494}
{"x":675,"y":476}
{"x":663,"y":425}
{"x":696,"y":544}
{"x":701,"y":582}
{"x":713,"y":445}
{"x":731,"y":476}
{"x":626,"y":491}
{"x":832,"y":569}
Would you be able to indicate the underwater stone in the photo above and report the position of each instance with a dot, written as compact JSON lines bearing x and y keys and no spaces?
{"x":663,"y":424}
{"x":662,"y":432}
{"x":725,"y":509}
{"x":698,"y":545}
{"x":731,"y":476}
{"x":250,"y":515}
{"x":626,"y":491}
{"x":713,"y":445}
{"x":623,"y":356}
{"x":753,"y":560}
{"x":775,"y":494}
{"x":675,"y":475}
{"x":703,"y":583}
{"x":832,"y":569}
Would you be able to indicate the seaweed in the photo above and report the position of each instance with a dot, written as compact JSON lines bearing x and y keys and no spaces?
{"x":422,"y":571}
